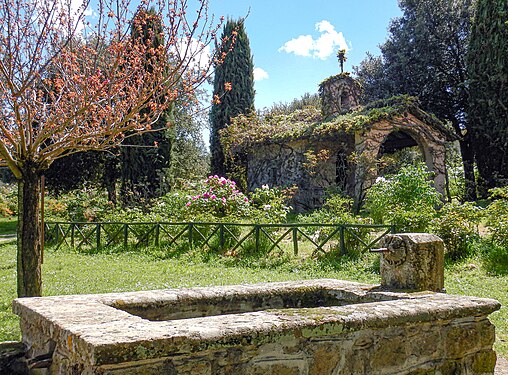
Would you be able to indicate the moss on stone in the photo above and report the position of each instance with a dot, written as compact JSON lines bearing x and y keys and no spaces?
{"x":308,"y":123}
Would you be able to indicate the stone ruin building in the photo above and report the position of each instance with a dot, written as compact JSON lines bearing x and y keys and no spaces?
{"x":339,"y":146}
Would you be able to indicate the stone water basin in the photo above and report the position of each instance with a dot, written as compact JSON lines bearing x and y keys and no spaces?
{"x":314,"y":327}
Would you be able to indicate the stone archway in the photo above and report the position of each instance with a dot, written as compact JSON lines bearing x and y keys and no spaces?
{"x":403,"y":143}
{"x":398,"y":133}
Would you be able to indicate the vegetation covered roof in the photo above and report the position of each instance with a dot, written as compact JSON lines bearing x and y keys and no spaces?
{"x":308,"y":123}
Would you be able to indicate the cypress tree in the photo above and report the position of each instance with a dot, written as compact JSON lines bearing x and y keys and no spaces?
{"x":145,"y":159}
{"x":237,"y":69}
{"x":488,"y":84}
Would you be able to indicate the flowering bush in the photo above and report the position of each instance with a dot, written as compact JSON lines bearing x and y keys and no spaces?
{"x":219,"y":197}
{"x":270,"y":204}
{"x":407,"y":199}
{"x":87,"y":205}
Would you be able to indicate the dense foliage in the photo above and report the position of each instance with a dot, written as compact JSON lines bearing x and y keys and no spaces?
{"x":308,"y":122}
{"x":425,"y":57}
{"x":407,"y":199}
{"x":488,"y":88}
{"x":458,"y":226}
{"x":233,"y":90}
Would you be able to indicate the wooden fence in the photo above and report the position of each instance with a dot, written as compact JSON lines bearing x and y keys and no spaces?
{"x":320,"y":238}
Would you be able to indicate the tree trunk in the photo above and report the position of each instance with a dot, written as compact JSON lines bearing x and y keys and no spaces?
{"x":466,"y":151}
{"x":29,"y":241}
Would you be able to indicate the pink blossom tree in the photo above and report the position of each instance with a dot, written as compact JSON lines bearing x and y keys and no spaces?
{"x":70,"y":82}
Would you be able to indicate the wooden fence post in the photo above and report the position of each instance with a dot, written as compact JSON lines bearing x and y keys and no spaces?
{"x":157,"y":233}
{"x":342,"y":240}
{"x":125,"y":235}
{"x":98,"y":234}
{"x":295,"y":241}
{"x":190,"y":234}
{"x":221,"y":235}
{"x":256,"y":235}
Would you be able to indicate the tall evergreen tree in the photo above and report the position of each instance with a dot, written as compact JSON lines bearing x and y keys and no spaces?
{"x":233,"y":89}
{"x":145,"y":159}
{"x":425,"y":57}
{"x":488,"y":84}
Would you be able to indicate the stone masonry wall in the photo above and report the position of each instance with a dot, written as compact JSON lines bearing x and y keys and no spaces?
{"x":287,"y":165}
{"x":369,"y":331}
{"x":460,"y":347}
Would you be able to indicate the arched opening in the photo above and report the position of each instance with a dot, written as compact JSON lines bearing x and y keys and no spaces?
{"x":397,"y":150}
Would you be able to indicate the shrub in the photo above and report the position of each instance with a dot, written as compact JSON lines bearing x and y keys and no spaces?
{"x":337,"y":209}
{"x":87,"y":205}
{"x":55,"y":209}
{"x":407,"y":199}
{"x":496,"y":259}
{"x":170,"y":207}
{"x":270,"y":204}
{"x":457,"y":224}
{"x":8,"y":200}
{"x":218,"y":197}
{"x":497,"y":216}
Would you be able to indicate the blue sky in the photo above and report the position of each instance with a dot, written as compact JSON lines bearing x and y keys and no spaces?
{"x":295,"y":42}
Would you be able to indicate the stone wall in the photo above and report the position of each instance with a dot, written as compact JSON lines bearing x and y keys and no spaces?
{"x":367,"y":330}
{"x":312,"y":165}
{"x":368,"y":145}
{"x":339,"y":94}
{"x":288,"y":164}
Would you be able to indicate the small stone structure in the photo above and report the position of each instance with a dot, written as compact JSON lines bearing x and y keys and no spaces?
{"x":315,"y":327}
{"x":339,"y":146}
{"x":413,"y":261}
{"x":338,"y":94}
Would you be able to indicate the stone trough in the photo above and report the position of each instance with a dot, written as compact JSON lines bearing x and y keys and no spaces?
{"x":303,"y":327}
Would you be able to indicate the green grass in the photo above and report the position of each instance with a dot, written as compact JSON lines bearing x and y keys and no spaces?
{"x":8,"y":225}
{"x":69,"y":272}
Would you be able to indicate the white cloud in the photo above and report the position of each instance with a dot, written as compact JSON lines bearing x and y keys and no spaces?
{"x":194,"y":54}
{"x":300,"y":46}
{"x":323,"y":47}
{"x":260,"y":74}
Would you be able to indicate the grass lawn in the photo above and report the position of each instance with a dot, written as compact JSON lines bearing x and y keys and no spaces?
{"x":68,"y":272}
{"x":8,"y":225}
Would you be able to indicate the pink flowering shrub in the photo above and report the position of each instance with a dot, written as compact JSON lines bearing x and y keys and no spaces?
{"x":218,"y":197}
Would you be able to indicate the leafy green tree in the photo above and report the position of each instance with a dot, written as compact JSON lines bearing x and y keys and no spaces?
{"x":233,"y":89}
{"x":488,"y":84}
{"x":371,"y":75}
{"x":306,"y":100}
{"x":190,"y":159}
{"x":425,"y":57}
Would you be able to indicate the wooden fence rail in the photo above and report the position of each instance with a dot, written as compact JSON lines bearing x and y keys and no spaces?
{"x":217,"y":236}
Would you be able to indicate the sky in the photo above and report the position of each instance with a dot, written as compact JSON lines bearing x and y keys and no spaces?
{"x":294,"y":43}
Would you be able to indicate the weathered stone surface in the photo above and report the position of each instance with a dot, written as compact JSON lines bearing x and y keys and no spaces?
{"x":321,"y":327}
{"x":339,"y":94}
{"x":413,"y":261}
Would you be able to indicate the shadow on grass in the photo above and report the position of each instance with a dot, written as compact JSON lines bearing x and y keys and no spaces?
{"x":496,"y":261}
{"x":8,"y":226}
